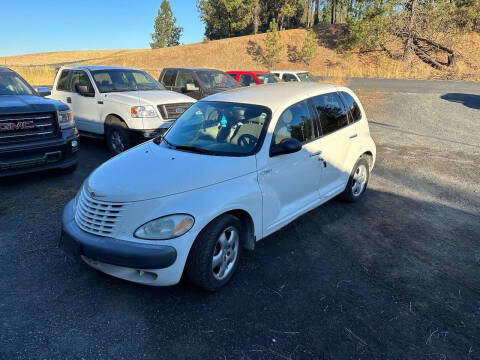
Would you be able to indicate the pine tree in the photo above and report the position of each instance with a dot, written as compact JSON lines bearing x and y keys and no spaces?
{"x":166,"y":32}
{"x":309,"y":48}
{"x":272,"y":46}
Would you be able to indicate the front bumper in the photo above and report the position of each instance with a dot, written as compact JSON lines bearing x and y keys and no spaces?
{"x":21,"y":158}
{"x":139,"y":136}
{"x":120,"y":253}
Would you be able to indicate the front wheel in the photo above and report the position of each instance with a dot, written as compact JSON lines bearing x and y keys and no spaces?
{"x":117,"y":136}
{"x":215,"y":254}
{"x":358,"y":181}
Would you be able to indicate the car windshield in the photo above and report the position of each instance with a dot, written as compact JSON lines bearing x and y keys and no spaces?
{"x":220,"y":128}
{"x":216,"y":79}
{"x":117,"y":80}
{"x":306,"y":76}
{"x":12,"y":84}
{"x":267,"y":78}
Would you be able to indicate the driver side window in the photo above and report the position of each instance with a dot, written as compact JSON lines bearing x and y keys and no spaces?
{"x":80,"y":78}
{"x":295,"y":122}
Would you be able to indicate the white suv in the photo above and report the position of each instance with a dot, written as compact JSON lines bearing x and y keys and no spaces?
{"x":125,"y":105}
{"x":295,"y":75}
{"x":234,"y":168}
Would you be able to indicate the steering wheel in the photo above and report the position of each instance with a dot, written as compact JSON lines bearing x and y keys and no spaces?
{"x":247,"y":140}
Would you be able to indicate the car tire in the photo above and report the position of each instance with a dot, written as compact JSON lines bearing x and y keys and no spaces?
{"x":215,"y":253}
{"x":357,"y":182}
{"x":116,"y":135}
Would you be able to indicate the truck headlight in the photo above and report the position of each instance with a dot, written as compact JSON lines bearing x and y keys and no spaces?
{"x":166,"y":227}
{"x":144,"y":111}
{"x":65,"y":118}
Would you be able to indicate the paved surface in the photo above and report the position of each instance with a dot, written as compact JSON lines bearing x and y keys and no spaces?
{"x":395,"y":276}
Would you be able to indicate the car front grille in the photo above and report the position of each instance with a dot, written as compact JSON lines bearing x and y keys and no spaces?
{"x":173,"y":111}
{"x":27,"y":127}
{"x":98,"y":217}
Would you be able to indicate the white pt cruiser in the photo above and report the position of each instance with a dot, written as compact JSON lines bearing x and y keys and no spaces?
{"x":234,"y":168}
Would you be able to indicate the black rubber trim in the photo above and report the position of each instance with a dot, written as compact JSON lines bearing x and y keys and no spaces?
{"x":76,"y":242}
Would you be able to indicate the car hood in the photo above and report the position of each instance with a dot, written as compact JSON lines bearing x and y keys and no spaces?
{"x":21,"y":104}
{"x":151,"y":97}
{"x":151,"y":171}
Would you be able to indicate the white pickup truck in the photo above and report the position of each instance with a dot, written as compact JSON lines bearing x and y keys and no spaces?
{"x":126,"y":106}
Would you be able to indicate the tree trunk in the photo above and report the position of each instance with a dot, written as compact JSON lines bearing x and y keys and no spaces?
{"x":333,"y":19}
{"x":409,"y":42}
{"x":256,"y":17}
{"x":317,"y":9}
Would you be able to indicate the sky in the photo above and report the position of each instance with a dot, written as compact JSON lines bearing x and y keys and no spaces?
{"x":31,"y":26}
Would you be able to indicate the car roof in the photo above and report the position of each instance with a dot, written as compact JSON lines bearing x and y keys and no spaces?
{"x":274,"y":95}
{"x":291,"y":71}
{"x":97,"y":67}
{"x":191,"y":68}
{"x":5,"y":69}
{"x":248,"y":72}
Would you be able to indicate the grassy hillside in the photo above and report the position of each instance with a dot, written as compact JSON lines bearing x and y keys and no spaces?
{"x":239,"y":54}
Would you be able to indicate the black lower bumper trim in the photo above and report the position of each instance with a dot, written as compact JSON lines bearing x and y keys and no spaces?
{"x":76,"y":242}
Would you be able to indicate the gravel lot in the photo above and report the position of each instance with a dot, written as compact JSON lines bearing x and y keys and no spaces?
{"x":395,"y":276}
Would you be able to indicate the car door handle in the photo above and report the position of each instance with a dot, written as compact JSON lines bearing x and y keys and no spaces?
{"x":353,"y":136}
{"x":100,"y":102}
{"x":69,"y":100}
{"x":316,"y":153}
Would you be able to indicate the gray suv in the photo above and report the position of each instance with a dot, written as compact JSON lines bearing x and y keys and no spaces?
{"x":196,"y":82}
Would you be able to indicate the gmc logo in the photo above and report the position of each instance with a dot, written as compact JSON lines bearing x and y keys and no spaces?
{"x":21,"y":125}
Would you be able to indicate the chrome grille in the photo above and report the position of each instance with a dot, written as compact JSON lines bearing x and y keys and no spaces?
{"x":173,"y":111}
{"x":27,"y":127}
{"x":98,"y":217}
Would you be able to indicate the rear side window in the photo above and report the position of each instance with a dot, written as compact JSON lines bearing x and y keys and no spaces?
{"x":331,"y":112}
{"x":295,"y":122}
{"x":62,"y":83}
{"x":246,"y":79}
{"x":169,"y":78}
{"x":352,"y":106}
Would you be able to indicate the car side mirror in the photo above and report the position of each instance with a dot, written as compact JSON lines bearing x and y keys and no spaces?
{"x":191,"y":87}
{"x":44,"y":91}
{"x":83,"y":90}
{"x":286,"y":146}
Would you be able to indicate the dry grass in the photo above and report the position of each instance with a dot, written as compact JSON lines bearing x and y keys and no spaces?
{"x":232,"y":54}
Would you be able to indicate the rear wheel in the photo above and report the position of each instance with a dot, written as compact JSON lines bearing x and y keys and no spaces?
{"x":214,"y":256}
{"x":117,"y":136}
{"x":358,"y":181}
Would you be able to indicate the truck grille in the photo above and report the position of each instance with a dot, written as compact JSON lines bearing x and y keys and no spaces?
{"x":97,"y":217}
{"x":27,"y":127}
{"x":173,"y":111}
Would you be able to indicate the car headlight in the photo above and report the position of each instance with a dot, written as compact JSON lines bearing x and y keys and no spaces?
{"x":65,"y":118}
{"x":166,"y":227}
{"x":144,"y":111}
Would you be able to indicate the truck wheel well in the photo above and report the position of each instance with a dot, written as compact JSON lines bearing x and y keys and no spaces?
{"x":111,"y":118}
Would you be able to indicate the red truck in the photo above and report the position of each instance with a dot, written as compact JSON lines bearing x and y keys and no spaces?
{"x":247,"y":78}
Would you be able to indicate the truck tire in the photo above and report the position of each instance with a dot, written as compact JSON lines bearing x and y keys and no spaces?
{"x":215,"y":253}
{"x":116,"y":135}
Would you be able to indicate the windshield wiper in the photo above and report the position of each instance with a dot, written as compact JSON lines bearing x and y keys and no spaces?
{"x":194,"y":149}
{"x":158,"y":140}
